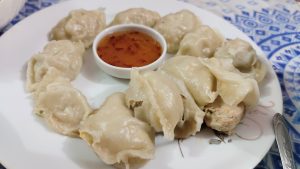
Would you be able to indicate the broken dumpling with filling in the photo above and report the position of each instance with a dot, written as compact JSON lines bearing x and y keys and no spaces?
{"x":236,"y":94}
{"x":223,"y":117}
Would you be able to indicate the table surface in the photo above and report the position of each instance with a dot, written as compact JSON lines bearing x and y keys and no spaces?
{"x":274,"y":26}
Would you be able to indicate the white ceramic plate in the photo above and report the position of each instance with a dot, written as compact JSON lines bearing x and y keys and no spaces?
{"x":26,"y":142}
{"x":9,"y":9}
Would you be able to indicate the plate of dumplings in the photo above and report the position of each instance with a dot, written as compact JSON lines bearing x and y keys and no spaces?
{"x":209,"y":105}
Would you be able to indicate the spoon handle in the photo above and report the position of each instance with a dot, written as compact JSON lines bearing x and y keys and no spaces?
{"x":283,"y":142}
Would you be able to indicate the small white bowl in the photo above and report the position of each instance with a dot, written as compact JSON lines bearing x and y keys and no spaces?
{"x":121,"y":72}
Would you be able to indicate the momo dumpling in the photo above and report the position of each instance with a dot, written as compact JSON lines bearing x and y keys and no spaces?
{"x":242,"y":53}
{"x":201,"y":42}
{"x":116,"y":136}
{"x":63,"y":55}
{"x":80,"y":25}
{"x":156,"y":100}
{"x":232,"y":86}
{"x":137,"y":16}
{"x":52,"y":75}
{"x":175,"y":25}
{"x":259,"y":70}
{"x":193,"y":116}
{"x":62,"y":107}
{"x":197,"y":78}
{"x":223,"y":117}
{"x":244,"y":57}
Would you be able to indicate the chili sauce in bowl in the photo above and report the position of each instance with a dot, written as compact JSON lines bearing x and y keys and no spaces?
{"x":129,"y":49}
{"x":120,"y":48}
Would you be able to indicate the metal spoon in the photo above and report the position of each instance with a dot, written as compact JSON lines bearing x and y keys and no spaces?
{"x":283,"y":142}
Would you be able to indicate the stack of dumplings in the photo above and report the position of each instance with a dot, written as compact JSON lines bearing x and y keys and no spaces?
{"x":63,"y":55}
{"x":159,"y":100}
{"x":209,"y":80}
{"x":50,"y":72}
{"x":48,"y":77}
{"x":197,"y":78}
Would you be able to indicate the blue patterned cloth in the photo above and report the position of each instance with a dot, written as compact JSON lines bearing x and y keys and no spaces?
{"x":274,"y":26}
{"x":30,"y":7}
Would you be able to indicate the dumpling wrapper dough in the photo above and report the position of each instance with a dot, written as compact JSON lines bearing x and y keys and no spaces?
{"x":244,"y":57}
{"x":52,"y":75}
{"x":193,"y":116}
{"x":201,"y":42}
{"x":175,"y":25}
{"x":80,"y":25}
{"x":156,"y":100}
{"x":62,"y":107}
{"x":137,"y":16}
{"x":63,"y":55}
{"x":116,"y":136}
{"x":232,"y":86}
{"x":197,"y":78}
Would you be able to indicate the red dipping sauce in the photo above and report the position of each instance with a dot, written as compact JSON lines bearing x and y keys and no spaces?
{"x":129,"y":49}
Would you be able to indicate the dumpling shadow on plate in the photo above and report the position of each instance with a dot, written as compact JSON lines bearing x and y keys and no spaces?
{"x":82,"y":155}
{"x":23,"y":75}
{"x":44,"y":124}
{"x":194,"y":146}
{"x":164,"y":152}
{"x":89,"y":69}
{"x":39,"y":119}
{"x":264,"y":88}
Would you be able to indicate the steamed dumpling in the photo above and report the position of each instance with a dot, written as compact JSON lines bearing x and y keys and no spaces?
{"x":223,"y":117}
{"x":63,"y":55}
{"x":244,"y":57}
{"x":62,"y":106}
{"x":116,"y":136}
{"x":201,"y":42}
{"x":197,"y":78}
{"x":193,"y":116}
{"x":138,"y":16}
{"x":80,"y":25}
{"x":52,"y":75}
{"x":242,"y":53}
{"x":156,"y":100}
{"x":259,"y":70}
{"x":232,"y":86}
{"x":175,"y":25}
